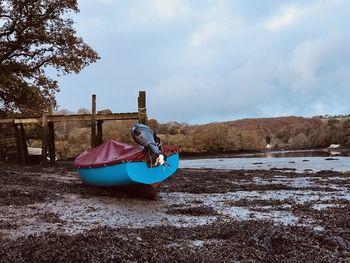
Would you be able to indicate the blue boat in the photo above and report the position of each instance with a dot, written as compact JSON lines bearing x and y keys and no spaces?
{"x":129,"y":173}
{"x":118,"y":164}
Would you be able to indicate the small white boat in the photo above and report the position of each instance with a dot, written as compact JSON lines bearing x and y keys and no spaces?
{"x":334,"y":146}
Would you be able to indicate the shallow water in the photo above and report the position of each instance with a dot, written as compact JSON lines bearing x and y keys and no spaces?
{"x":324,"y":152}
{"x":299,"y":164}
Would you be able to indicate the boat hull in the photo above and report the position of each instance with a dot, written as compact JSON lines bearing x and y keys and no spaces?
{"x":129,"y":173}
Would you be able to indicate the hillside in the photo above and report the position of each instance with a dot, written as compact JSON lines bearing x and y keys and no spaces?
{"x":254,"y":134}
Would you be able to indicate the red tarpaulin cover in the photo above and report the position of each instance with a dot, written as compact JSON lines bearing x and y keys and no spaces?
{"x":113,"y":152}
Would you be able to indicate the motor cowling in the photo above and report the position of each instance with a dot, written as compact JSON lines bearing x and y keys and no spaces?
{"x":146,"y":137}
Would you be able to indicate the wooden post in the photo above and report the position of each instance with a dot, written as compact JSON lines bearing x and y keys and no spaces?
{"x":93,"y":122}
{"x":44,"y":139}
{"x":21,"y":144}
{"x":142,"y":107}
{"x":24,"y":142}
{"x":99,"y":137}
{"x":51,"y":139}
{"x":51,"y":144}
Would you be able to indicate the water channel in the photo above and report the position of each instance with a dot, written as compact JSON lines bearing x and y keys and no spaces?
{"x":299,"y":161}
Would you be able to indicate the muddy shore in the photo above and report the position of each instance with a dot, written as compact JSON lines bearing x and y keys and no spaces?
{"x":48,"y":215}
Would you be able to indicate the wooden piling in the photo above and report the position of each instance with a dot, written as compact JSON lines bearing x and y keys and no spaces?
{"x":44,"y":138}
{"x":99,"y":137}
{"x":93,"y":121}
{"x":23,"y":156}
{"x":51,"y":142}
{"x":51,"y":138}
{"x":142,"y":111}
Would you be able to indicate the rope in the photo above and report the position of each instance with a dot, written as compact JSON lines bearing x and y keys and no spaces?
{"x":142,"y":110}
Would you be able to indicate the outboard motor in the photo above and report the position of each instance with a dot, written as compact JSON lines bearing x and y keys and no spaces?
{"x":146,"y":137}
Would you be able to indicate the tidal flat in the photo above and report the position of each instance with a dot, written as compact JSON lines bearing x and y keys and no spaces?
{"x":199,"y":215}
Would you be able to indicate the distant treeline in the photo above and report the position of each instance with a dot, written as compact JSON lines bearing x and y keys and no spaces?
{"x":233,"y":136}
{"x":327,"y":116}
{"x":256,"y":134}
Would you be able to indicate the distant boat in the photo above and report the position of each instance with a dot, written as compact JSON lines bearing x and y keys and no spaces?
{"x":333,"y":146}
{"x":116,"y":164}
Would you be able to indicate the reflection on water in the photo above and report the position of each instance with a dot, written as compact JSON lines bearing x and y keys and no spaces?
{"x":299,"y":161}
{"x":297,"y":153}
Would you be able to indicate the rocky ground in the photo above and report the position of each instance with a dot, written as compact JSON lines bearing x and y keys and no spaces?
{"x":48,"y":215}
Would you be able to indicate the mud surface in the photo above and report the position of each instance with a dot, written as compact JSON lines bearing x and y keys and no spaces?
{"x":48,"y":215}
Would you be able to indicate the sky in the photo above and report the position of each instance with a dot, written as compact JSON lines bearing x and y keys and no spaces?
{"x":214,"y":60}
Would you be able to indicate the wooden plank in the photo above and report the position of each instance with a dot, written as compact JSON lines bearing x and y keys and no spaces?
{"x":98,"y":117}
{"x":5,"y":121}
{"x":74,"y":118}
{"x":117,"y":116}
{"x":28,"y":120}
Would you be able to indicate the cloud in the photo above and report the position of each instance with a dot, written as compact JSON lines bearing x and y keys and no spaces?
{"x":97,"y":3}
{"x":298,"y":14}
{"x":308,"y":57}
{"x":288,"y":16}
{"x":216,"y":60}
{"x":206,"y":33}
{"x":169,"y":9}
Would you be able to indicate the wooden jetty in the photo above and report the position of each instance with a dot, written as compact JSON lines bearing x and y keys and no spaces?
{"x":12,"y":130}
